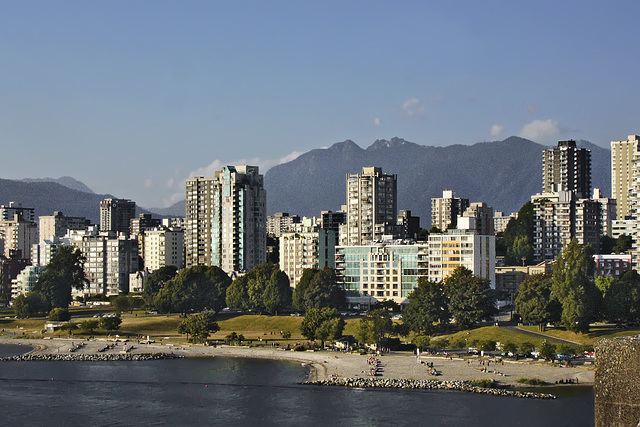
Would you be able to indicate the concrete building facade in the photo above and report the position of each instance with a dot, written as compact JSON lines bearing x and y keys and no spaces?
{"x":226,"y":220}
{"x":445,"y":210}
{"x":622,"y":160}
{"x":567,"y":168}
{"x":162,"y":246}
{"x":306,"y":246}
{"x":57,"y":225}
{"x":371,"y":202}
{"x":281,"y":223}
{"x":116,"y":215}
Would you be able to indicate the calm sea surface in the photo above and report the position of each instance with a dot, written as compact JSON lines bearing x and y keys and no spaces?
{"x":239,"y":392}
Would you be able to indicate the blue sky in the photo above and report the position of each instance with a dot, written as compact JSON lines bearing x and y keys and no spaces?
{"x":133,"y":97}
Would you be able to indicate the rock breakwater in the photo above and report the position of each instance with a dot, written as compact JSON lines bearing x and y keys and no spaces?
{"x":426,"y":385}
{"x":74,"y":357}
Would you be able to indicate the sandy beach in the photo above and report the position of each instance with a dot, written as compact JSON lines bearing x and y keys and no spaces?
{"x":326,"y":364}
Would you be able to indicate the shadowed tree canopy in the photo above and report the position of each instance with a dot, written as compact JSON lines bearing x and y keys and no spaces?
{"x":322,"y":324}
{"x":156,"y":281}
{"x":194,"y":289}
{"x":534,"y":302}
{"x":198,"y":327}
{"x":319,"y":289}
{"x":573,"y":286}
{"x":264,"y":288}
{"x":428,"y":306}
{"x":64,"y":272}
{"x":518,"y":236}
{"x":471,"y":298}
{"x":374,"y":326}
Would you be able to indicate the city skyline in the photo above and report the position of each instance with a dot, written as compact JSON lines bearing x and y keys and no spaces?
{"x":121,"y":95}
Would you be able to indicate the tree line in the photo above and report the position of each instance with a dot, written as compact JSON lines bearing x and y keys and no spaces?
{"x":573,"y":297}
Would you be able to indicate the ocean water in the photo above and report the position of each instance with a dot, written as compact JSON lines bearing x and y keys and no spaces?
{"x":250,"y":392}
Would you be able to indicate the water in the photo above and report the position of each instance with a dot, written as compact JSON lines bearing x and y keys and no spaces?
{"x":239,"y":392}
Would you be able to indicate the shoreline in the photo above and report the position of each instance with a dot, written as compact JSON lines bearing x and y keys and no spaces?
{"x":326,"y":365}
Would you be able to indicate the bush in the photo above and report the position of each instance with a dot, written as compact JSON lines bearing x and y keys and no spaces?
{"x":59,"y":315}
{"x":440,"y":343}
{"x":487,"y":345}
{"x":531,"y":381}
{"x":526,"y":347}
{"x":458,"y":343}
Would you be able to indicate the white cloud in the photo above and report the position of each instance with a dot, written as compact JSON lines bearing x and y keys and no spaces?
{"x":541,"y":131}
{"x":496,"y":130}
{"x":148,"y":183}
{"x":169,"y":183}
{"x":412,"y":107}
{"x":175,"y":197}
{"x":263,"y":164}
{"x":376,"y":121}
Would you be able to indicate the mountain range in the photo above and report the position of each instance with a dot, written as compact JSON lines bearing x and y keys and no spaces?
{"x":504,"y":174}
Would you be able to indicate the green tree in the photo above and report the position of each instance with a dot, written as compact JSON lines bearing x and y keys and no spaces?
{"x":573,"y":286}
{"x":374,"y":326}
{"x":622,"y":299}
{"x":547,"y":350}
{"x":421,"y":341}
{"x":517,"y":228}
{"x":199,"y":326}
{"x":471,"y":298}
{"x":194,"y":289}
{"x":59,"y":314}
{"x":534,"y":302}
{"x":318,"y":323}
{"x":89,"y":325}
{"x":623,"y":244}
{"x":526,"y":347}
{"x":428,"y":306}
{"x":156,"y":281}
{"x":29,"y":305}
{"x":64,"y":272}
{"x":264,"y":288}
{"x":110,"y":323}
{"x":440,"y":343}
{"x":521,"y":249}
{"x":509,"y":347}
{"x":487,"y":345}
{"x":122,"y":303}
{"x":319,"y":289}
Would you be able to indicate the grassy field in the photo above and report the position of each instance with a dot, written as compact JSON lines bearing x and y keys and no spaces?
{"x":594,"y":334}
{"x":493,"y":333}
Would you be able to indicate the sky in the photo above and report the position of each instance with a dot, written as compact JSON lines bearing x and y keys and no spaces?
{"x":134,"y":97}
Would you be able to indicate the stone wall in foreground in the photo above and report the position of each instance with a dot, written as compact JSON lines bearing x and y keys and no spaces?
{"x":617,"y":382}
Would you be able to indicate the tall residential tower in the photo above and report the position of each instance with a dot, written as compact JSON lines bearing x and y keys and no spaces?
{"x":371,"y":204}
{"x":226,"y":220}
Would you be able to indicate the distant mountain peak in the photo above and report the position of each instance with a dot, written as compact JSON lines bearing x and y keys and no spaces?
{"x":383,"y":143}
{"x":65,"y":181}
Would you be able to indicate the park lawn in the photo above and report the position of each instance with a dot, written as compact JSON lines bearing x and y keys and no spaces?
{"x":595,"y":333}
{"x":493,"y":333}
{"x":158,"y":325}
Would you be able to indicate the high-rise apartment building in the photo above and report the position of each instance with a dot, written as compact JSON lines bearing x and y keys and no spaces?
{"x":307,"y":245}
{"x":18,"y":234}
{"x":280,"y":223}
{"x":608,"y":211}
{"x":622,"y":160}
{"x":446,"y":209}
{"x":567,"y":168}
{"x":110,"y":259}
{"x":483,"y":216}
{"x":116,"y":215}
{"x":162,"y":246}
{"x":57,"y":225}
{"x":226,"y":219}
{"x":371,"y":204}
{"x":8,"y":213}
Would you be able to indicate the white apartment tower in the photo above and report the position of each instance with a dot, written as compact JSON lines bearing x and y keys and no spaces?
{"x":371,"y":201}
{"x":226,"y":220}
{"x":622,"y":161}
{"x":163,"y":246}
{"x":446,"y":209}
